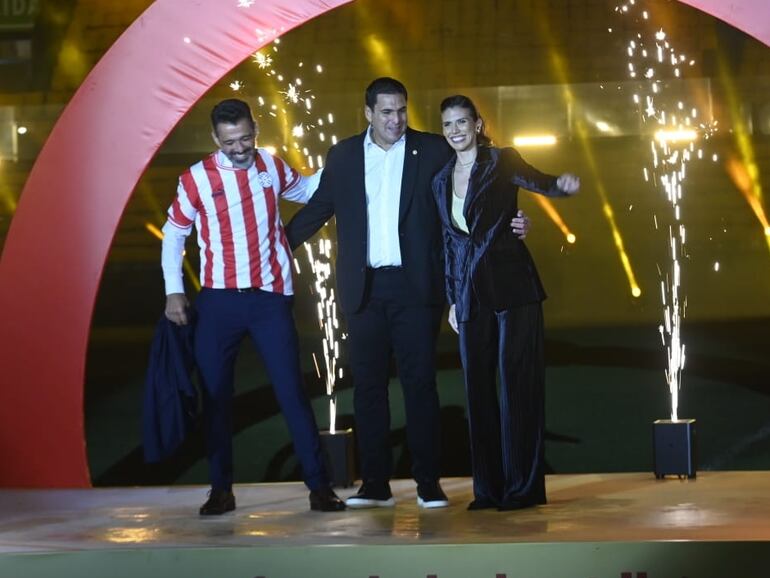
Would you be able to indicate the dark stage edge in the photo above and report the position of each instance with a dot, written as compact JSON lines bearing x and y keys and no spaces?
{"x":594,"y":526}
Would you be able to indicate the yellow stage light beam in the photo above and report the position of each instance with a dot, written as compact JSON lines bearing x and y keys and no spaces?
{"x":560,"y":71}
{"x":381,"y":56}
{"x":157,"y":233}
{"x":160,"y":216}
{"x":9,"y":199}
{"x":547,"y":206}
{"x":745,"y":171}
{"x":743,"y":181}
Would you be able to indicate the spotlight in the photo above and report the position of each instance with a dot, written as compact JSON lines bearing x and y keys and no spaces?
{"x":534,"y":140}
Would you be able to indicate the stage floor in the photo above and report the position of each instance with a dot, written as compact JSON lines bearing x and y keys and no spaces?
{"x":600,"y":509}
{"x":586,"y":508}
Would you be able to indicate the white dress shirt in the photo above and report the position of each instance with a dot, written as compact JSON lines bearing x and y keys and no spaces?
{"x":383,"y":169}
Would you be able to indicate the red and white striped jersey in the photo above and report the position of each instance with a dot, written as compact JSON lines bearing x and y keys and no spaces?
{"x":235,"y":212}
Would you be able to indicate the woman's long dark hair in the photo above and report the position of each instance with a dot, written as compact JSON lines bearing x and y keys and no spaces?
{"x":461,"y":101}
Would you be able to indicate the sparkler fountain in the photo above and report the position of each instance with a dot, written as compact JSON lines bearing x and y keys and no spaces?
{"x":298,"y":101}
{"x":653,"y":61}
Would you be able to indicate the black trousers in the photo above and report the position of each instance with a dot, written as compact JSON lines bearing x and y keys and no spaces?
{"x":390,"y":324}
{"x":507,"y":424}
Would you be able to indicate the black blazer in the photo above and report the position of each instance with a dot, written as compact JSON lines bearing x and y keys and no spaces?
{"x":171,"y":400}
{"x":491,"y":265}
{"x":342,"y":193}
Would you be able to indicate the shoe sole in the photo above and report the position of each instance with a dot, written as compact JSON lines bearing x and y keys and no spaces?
{"x":362,"y":503}
{"x":217,"y":512}
{"x":429,"y":505}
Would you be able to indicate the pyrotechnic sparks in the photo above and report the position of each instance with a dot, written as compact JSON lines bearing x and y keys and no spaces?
{"x":236,"y":85}
{"x":671,"y":146}
{"x":262,"y":60}
{"x":327,"y":319}
{"x":291,"y":94}
{"x":297,"y":99}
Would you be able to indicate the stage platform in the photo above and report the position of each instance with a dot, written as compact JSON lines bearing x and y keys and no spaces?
{"x":594,"y":526}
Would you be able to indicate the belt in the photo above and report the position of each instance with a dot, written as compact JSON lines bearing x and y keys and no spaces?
{"x":386,"y":268}
{"x":235,"y":289}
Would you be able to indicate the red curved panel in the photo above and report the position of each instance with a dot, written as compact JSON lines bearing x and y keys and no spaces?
{"x":72,"y":202}
{"x":750,"y":16}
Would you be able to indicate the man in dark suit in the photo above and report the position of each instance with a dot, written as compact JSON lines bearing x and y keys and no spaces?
{"x":390,"y":281}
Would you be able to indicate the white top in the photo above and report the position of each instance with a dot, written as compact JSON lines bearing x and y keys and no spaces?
{"x":235,"y":211}
{"x":458,"y":219}
{"x":383,"y":169}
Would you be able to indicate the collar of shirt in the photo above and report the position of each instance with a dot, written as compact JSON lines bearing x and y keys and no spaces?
{"x":369,"y":141}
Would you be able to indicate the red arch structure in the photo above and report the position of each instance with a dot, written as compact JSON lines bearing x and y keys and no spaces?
{"x":72,"y":202}
{"x":74,"y":197}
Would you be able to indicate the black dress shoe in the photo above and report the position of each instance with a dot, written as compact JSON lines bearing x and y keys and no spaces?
{"x":430,"y":495}
{"x":219,"y":502}
{"x":372,"y":494}
{"x":325,"y":500}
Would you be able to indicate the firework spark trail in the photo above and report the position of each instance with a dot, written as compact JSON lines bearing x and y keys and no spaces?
{"x":290,"y":100}
{"x":651,"y":57}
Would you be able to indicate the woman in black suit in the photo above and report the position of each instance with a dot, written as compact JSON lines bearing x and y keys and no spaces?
{"x":495,"y":298}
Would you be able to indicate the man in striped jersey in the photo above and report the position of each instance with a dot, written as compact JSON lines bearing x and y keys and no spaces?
{"x":231,"y":197}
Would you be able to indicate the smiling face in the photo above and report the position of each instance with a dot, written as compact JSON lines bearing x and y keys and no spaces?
{"x":237,"y":141}
{"x":388,"y":119}
{"x":459,"y":128}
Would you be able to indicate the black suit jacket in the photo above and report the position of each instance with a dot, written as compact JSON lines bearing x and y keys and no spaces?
{"x":491,"y":265}
{"x":342,"y":193}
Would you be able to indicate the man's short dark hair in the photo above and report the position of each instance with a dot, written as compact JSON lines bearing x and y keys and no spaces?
{"x":230,"y":111}
{"x":384,"y":85}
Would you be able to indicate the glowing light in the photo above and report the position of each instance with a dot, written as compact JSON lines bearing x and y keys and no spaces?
{"x":716,"y":266}
{"x":246,"y":3}
{"x":271,"y":149}
{"x":675,"y":135}
{"x":603,"y":126}
{"x":186,"y":40}
{"x":262,"y":60}
{"x":534,"y":140}
{"x":547,"y":206}
{"x":236,"y":85}
{"x":21,"y":130}
{"x":154,"y":231}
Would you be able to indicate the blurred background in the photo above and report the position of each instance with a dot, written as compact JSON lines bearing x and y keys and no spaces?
{"x":662,"y":110}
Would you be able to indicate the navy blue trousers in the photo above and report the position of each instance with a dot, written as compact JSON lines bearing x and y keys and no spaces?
{"x":390,"y":324}
{"x":506,"y":423}
{"x":225,"y":317}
